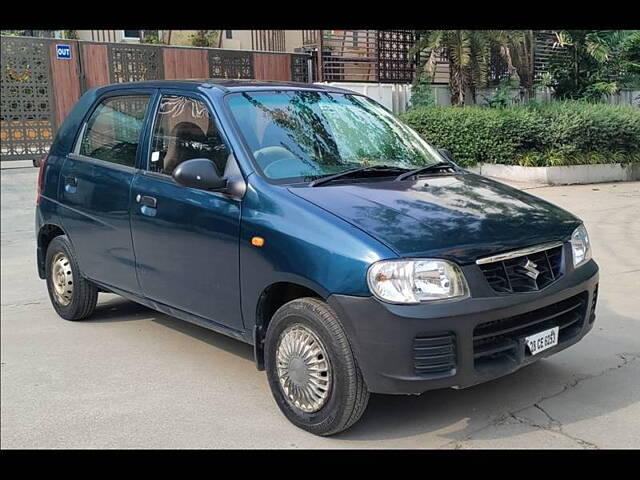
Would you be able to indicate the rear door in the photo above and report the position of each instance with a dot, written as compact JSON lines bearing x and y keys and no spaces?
{"x":96,"y":188}
{"x":186,"y":240}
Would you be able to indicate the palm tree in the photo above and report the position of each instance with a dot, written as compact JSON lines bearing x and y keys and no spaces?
{"x":516,"y":48}
{"x":593,"y":62}
{"x":468,"y":52}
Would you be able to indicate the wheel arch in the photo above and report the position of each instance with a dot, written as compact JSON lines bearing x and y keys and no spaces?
{"x":271,"y":299}
{"x":46,"y":234}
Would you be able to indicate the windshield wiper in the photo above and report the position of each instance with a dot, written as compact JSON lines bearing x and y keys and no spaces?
{"x":357,"y":172}
{"x":426,"y":168}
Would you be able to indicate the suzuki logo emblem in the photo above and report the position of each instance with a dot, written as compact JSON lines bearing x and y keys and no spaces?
{"x":531,"y":269}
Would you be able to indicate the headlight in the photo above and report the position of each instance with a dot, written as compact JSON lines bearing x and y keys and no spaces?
{"x":414,"y":281}
{"x":580,"y":246}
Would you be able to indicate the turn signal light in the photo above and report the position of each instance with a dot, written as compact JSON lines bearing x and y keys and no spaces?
{"x":257,"y":241}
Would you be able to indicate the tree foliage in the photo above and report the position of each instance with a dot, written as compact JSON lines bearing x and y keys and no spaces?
{"x":587,"y":65}
{"x":153,"y":37}
{"x":469,"y":55}
{"x":594,"y":63}
{"x":422,"y":94}
{"x":205,"y":38}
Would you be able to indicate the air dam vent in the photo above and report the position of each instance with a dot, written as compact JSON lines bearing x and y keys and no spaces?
{"x":435,"y":356}
{"x":499,"y":340}
{"x":594,"y":301}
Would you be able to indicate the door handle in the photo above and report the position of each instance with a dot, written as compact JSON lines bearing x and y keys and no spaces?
{"x":71,"y":181}
{"x":70,"y":184}
{"x":147,"y":201}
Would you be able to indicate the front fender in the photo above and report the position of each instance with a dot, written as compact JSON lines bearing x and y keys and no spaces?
{"x":303,"y":244}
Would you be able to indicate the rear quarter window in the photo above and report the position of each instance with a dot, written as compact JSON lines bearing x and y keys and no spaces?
{"x":114,"y":129}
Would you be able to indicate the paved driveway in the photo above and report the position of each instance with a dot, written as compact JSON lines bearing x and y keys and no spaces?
{"x":132,"y":377}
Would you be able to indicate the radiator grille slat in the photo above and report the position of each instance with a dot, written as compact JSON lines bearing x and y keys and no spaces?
{"x":526,"y":273}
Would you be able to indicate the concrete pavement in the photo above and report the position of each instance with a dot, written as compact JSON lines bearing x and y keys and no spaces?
{"x":133,"y":378}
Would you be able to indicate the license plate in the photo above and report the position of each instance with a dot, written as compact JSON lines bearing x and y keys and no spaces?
{"x":541,"y":341}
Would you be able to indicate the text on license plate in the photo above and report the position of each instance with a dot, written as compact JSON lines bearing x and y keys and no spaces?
{"x":542,"y":340}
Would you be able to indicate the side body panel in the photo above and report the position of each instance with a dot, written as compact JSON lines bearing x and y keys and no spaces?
{"x":95,"y":196}
{"x":187,"y":246}
{"x":303,"y":245}
{"x":187,"y":249}
{"x":50,"y":211}
{"x":95,"y":214}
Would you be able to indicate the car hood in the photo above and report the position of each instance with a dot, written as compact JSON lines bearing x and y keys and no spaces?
{"x":461,"y":217}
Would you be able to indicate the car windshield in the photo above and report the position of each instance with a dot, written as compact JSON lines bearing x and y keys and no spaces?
{"x":304,"y":135}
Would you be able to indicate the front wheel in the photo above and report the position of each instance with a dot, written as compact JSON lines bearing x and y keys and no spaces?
{"x":311,"y":368}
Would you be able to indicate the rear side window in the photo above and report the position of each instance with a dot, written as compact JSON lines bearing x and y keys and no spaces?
{"x":113,"y":130}
{"x":184,"y":129}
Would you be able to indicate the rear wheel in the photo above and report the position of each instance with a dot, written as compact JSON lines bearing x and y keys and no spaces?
{"x":311,"y":368}
{"x":72,"y":296}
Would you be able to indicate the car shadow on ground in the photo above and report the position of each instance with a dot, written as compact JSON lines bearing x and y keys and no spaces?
{"x":119,"y":309}
{"x":454,"y":414}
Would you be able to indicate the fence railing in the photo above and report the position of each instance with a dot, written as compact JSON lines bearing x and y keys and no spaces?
{"x":383,"y":56}
{"x":42,"y":79}
{"x":362,"y":55}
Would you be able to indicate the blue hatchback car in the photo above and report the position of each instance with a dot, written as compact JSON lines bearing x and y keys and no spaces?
{"x":311,"y":223}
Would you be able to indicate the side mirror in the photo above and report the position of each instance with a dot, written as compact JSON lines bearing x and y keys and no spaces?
{"x":199,"y":173}
{"x":446,"y":154}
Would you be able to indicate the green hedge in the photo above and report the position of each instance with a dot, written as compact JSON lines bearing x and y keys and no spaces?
{"x":537,"y":134}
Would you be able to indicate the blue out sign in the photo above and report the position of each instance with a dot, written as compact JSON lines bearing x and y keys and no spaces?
{"x":63,"y":52}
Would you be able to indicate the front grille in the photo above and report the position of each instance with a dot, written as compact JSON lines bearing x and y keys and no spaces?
{"x":516,"y":275}
{"x":499,"y":340}
{"x":435,"y":356}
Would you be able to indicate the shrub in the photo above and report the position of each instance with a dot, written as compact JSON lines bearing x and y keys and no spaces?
{"x":422,"y":94}
{"x":549,"y":133}
{"x":204,"y":38}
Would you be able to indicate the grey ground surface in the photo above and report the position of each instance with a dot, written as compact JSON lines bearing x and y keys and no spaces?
{"x":133,"y":378}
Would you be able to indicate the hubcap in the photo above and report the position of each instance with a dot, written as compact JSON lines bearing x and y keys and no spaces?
{"x":62,"y":279}
{"x":303,"y":369}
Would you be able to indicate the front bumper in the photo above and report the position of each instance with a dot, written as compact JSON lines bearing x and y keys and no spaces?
{"x":383,"y":336}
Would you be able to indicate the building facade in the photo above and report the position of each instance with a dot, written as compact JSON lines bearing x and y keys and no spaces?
{"x":258,"y":40}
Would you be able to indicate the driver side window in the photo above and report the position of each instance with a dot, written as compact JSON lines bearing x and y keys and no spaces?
{"x":183,"y":130}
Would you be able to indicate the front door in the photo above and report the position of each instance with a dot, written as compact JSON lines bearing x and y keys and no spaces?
{"x":95,"y":190}
{"x":186,"y":240}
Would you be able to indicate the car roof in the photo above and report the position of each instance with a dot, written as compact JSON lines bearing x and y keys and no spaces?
{"x":226,"y":85}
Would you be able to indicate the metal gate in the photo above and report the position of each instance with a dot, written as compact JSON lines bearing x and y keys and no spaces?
{"x":39,"y":87}
{"x":300,"y":68}
{"x":27,"y":117}
{"x":230,"y":64}
{"x":135,"y":63}
{"x":395,"y":65}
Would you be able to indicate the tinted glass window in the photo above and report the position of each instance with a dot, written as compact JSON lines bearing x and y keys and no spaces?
{"x":113,"y":130}
{"x":184,"y":130}
{"x":309,"y":134}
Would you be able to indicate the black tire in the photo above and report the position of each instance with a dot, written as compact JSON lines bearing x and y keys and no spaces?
{"x":348,"y":394}
{"x":84,"y":294}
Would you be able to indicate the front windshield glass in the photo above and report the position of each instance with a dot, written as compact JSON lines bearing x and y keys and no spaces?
{"x":305,"y":135}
